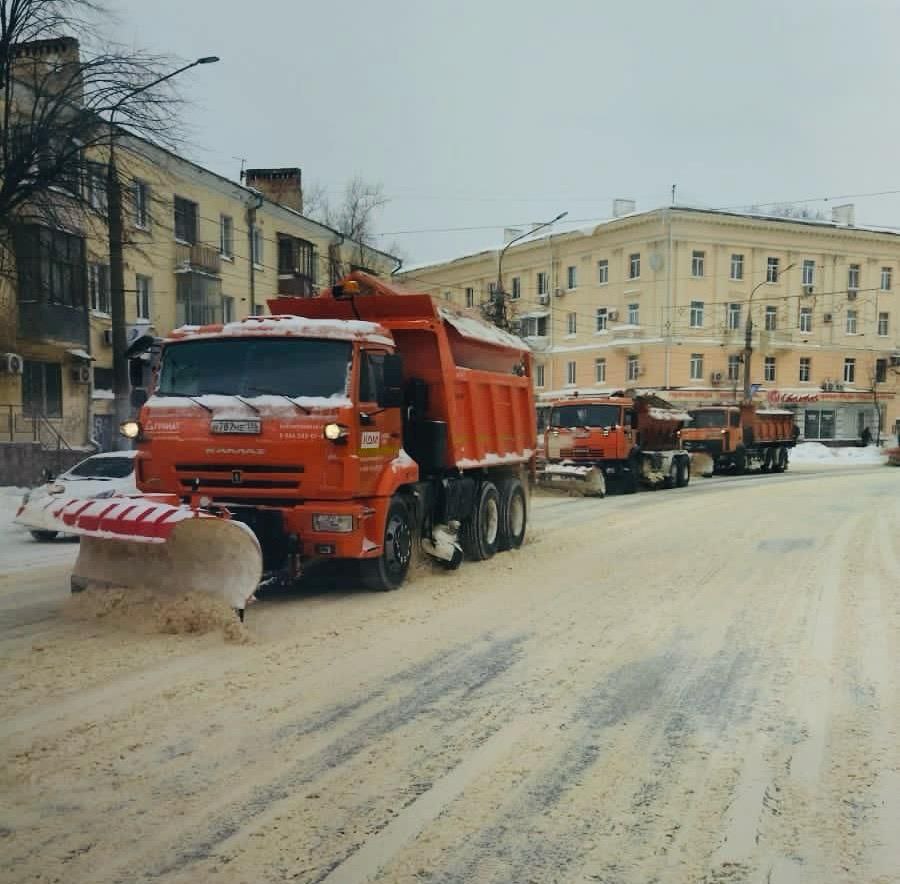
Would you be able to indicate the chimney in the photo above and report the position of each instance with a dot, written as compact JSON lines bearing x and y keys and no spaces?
{"x":623,"y":207}
{"x":844,"y":214}
{"x":282,"y":186}
{"x":49,"y":63}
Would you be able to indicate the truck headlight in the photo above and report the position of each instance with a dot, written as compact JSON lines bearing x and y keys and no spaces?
{"x":130,"y":429}
{"x":335,"y":432}
{"x":332,"y":523}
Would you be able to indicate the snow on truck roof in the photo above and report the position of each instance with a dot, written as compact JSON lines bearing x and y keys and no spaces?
{"x":297,"y":326}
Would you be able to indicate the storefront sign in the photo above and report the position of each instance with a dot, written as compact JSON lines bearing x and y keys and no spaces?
{"x":776,"y":397}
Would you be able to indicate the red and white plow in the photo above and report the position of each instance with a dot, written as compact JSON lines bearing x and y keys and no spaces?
{"x":164,"y":547}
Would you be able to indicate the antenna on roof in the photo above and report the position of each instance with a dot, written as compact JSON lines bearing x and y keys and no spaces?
{"x":673,"y":193}
{"x":243,"y":163}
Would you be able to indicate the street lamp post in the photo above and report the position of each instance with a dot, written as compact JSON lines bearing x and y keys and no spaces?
{"x":498,"y":308}
{"x":748,"y":334}
{"x":115,"y":227}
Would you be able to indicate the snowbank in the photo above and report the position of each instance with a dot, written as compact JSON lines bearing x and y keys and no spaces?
{"x":817,"y":454}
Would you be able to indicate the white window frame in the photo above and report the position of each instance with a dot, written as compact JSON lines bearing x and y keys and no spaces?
{"x":697,"y":310}
{"x":805,"y":323}
{"x":770,"y":318}
{"x":571,"y":324}
{"x":96,"y":297}
{"x":769,"y":368}
{"x":852,"y":322}
{"x":805,"y":370}
{"x":226,"y":236}
{"x":698,"y":259}
{"x":737,"y":266}
{"x":808,"y":272}
{"x":227,"y":308}
{"x":853,"y":273}
{"x":571,"y":373}
{"x":887,"y":278}
{"x":733,"y":320}
{"x":633,"y":368}
{"x":772,"y":266}
{"x":884,"y":323}
{"x":516,"y":292}
{"x":634,"y":314}
{"x":256,"y":246}
{"x":141,"y":191}
{"x":470,"y":296}
{"x":734,"y":367}
{"x":539,"y":375}
{"x":602,"y":319}
{"x":143,"y":293}
{"x":603,"y":272}
{"x":571,"y":277}
{"x":600,"y":370}
{"x":543,"y":283}
{"x":634,"y":265}
{"x":849,"y":370}
{"x":696,"y":366}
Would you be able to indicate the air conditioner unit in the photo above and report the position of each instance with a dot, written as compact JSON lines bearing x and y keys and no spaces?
{"x":11,"y":363}
{"x":826,"y":317}
{"x":107,"y":337}
{"x":839,"y":387}
{"x":851,"y":294}
{"x":895,"y":361}
{"x":559,"y":292}
{"x":716,"y":377}
{"x":81,"y":374}
{"x":828,"y":386}
{"x":613,"y":315}
{"x":808,"y":290}
{"x":544,"y":299}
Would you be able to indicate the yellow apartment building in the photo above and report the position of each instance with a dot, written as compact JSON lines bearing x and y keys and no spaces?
{"x":658,"y":301}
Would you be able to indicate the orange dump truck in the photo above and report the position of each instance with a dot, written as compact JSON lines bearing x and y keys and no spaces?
{"x":738,"y":438}
{"x":345,"y":426}
{"x":592,"y":442}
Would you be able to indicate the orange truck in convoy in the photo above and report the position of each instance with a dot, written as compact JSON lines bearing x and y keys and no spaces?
{"x":350,"y":426}
{"x":592,"y":442}
{"x":739,"y":437}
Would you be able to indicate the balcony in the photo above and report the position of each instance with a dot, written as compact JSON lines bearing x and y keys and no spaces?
{"x":197,"y":257}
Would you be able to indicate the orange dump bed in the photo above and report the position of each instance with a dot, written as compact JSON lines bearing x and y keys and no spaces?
{"x":773,"y":426}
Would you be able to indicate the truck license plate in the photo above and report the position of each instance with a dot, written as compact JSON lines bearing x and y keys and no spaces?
{"x":247,"y":427}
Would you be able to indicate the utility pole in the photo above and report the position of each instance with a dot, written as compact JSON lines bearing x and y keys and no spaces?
{"x":115,"y":230}
{"x":748,"y":335}
{"x":497,"y":308}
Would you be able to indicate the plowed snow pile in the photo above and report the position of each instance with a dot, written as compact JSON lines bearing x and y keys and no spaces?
{"x":845,"y":456}
{"x":144,"y":611}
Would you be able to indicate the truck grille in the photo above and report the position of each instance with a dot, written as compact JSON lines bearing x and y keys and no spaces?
{"x":582,"y":452}
{"x":212,"y":476}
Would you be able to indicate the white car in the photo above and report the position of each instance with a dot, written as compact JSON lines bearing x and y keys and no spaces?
{"x":101,"y":475}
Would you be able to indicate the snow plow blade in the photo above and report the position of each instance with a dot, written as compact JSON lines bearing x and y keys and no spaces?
{"x":701,"y":464}
{"x":586,"y":480}
{"x":167,"y":549}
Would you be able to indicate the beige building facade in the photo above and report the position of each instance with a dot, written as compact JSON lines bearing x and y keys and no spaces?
{"x":659,"y":300}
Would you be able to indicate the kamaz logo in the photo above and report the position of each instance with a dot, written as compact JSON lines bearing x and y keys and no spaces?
{"x":235,"y":450}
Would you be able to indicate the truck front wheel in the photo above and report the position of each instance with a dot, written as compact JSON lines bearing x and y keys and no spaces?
{"x":513,"y":514}
{"x":740,"y":461}
{"x":481,"y":531}
{"x":389,"y":570}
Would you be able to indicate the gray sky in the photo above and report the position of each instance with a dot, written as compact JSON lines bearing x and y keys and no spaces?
{"x":488,"y":114}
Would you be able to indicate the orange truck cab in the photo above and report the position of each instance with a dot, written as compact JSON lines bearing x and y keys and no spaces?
{"x":632,"y":439}
{"x":346,"y":426}
{"x":740,"y":437}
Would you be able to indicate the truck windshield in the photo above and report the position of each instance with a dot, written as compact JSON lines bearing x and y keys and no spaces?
{"x":256,"y":366}
{"x":586,"y":416}
{"x":704,"y":419}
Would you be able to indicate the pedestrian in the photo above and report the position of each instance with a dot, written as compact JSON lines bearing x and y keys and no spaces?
{"x":865,"y":436}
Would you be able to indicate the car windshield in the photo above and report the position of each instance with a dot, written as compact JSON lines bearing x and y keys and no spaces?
{"x":103,"y":468}
{"x":256,"y":366}
{"x":586,"y":416}
{"x":703,"y":419}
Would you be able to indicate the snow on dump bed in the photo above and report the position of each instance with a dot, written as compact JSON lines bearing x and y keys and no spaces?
{"x":668,"y":414}
{"x":774,"y":412}
{"x":493,"y":460}
{"x":469,"y":327}
{"x":299,"y":326}
{"x":846,"y":456}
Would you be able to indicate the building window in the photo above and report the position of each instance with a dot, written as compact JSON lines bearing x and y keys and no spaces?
{"x":853,"y":277}
{"x":734,"y":367}
{"x":226,"y":236}
{"x":95,"y":186}
{"x":805,"y":366}
{"x":298,"y":263}
{"x":98,"y":287}
{"x":42,"y":389}
{"x":542,"y":282}
{"x":737,"y":267}
{"x":572,"y":323}
{"x":696,"y":314}
{"x":539,"y":375}
{"x":51,"y":267}
{"x":492,"y":290}
{"x":516,"y":288}
{"x":534,"y":327}
{"x":141,"y":195}
{"x":103,"y":378}
{"x":849,"y":371}
{"x":632,"y":368}
{"x":602,"y":318}
{"x":470,"y":297}
{"x":142,"y":296}
{"x":634,"y":311}
{"x":198,"y":299}
{"x":697,"y":261}
{"x":809,"y":272}
{"x":886,"y":275}
{"x":571,"y":277}
{"x":227,"y":308}
{"x":772,"y":270}
{"x":696,"y":366}
{"x":880,"y":371}
{"x":771,"y":317}
{"x":634,"y":266}
{"x":603,"y":272}
{"x":883,"y":323}
{"x":185,"y":220}
{"x":769,"y":367}
{"x":806,"y":319}
{"x":600,"y":371}
{"x":734,"y":316}
{"x":570,"y":372}
{"x":851,"y":322}
{"x":256,"y":246}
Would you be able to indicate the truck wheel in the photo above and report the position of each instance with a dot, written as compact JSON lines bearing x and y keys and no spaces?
{"x":673,"y":479}
{"x":44,"y":536}
{"x":389,"y":570}
{"x":684,"y":472}
{"x":513,"y":514}
{"x":740,"y":461}
{"x":480,"y":532}
{"x":781,"y":460}
{"x":768,"y":460}
{"x":630,"y":476}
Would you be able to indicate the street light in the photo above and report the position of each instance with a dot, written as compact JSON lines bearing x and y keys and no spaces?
{"x":115,"y":226}
{"x":499,"y":306}
{"x":748,"y":332}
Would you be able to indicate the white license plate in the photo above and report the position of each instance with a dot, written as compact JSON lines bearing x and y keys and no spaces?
{"x":245,"y":427}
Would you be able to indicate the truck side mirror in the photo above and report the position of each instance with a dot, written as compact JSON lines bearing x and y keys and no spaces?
{"x":138,"y":397}
{"x":391,"y":393}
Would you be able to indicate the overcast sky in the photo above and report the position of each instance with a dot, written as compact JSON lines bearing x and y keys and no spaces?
{"x":486,"y":114}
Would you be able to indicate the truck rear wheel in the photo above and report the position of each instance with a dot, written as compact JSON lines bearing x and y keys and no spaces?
{"x":513,"y":514}
{"x":780,"y":460}
{"x":684,"y":472}
{"x":740,"y":461}
{"x":389,"y":570}
{"x":481,"y":531}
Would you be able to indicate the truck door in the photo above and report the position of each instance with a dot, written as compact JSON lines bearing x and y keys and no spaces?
{"x":380,"y":429}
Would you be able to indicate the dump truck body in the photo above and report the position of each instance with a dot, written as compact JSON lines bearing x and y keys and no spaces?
{"x":739,"y":437}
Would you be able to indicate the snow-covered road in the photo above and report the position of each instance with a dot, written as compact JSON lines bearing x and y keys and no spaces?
{"x":694,"y":685}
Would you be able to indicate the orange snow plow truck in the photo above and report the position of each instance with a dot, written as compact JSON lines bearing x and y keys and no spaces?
{"x":350,"y":425}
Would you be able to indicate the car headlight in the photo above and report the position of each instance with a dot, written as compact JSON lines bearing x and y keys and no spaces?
{"x":335,"y":432}
{"x":130,"y":429}
{"x":332,"y":523}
